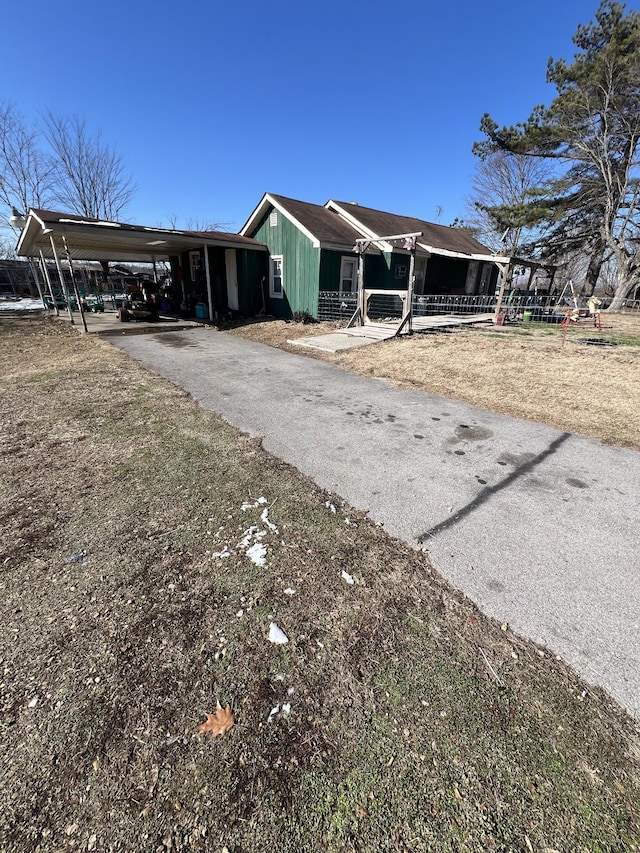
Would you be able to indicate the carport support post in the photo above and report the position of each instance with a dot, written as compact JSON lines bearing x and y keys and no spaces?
{"x":361,"y":305}
{"x":75,"y":286}
{"x":45,"y":272}
{"x":411,"y":284}
{"x":207,"y":272}
{"x":36,"y":277}
{"x":504,"y":270}
{"x":61,"y":277}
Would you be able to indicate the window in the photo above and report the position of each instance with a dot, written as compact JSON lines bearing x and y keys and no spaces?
{"x":194,"y":265}
{"x":275,"y":277}
{"x":273,"y":218}
{"x":348,"y":275}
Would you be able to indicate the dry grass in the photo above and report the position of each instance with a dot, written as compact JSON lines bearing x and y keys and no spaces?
{"x":525,"y":372}
{"x":121,"y":629}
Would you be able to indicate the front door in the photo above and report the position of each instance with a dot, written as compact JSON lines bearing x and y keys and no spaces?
{"x":232,"y":279}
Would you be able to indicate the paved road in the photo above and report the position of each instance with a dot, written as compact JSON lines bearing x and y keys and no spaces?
{"x":541,"y":528}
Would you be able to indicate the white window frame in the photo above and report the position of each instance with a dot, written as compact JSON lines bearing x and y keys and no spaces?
{"x":354,"y":281}
{"x":272,"y":293}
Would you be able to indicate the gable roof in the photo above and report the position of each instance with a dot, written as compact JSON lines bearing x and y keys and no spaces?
{"x":441,"y":239}
{"x":99,"y":240}
{"x":322,"y":226}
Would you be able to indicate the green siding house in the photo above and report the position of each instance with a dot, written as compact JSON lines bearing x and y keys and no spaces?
{"x":312,"y":250}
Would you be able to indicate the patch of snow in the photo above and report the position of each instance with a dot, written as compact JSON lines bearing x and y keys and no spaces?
{"x":21,"y":305}
{"x":265,"y":518}
{"x":289,"y":591}
{"x":277,"y":635}
{"x":245,"y":506}
{"x":251,"y":533}
{"x":257,"y":553}
{"x":347,"y":577}
{"x":219,"y":555}
{"x":330,"y":506}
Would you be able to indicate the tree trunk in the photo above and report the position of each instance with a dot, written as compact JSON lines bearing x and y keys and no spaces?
{"x":596,"y":261}
{"x":627,"y":281}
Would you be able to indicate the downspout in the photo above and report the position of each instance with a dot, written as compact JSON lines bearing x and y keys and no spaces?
{"x":207,"y":272}
{"x":45,"y":271}
{"x":63,"y":289}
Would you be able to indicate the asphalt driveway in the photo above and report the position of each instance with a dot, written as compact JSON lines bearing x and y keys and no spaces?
{"x":541,"y":528}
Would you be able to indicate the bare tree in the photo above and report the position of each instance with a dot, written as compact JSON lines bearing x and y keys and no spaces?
{"x":90,"y":176}
{"x":500,"y":203}
{"x":196,"y":224}
{"x":26,"y":173}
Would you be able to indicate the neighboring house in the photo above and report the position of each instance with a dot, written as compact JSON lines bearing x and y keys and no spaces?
{"x":16,"y":279}
{"x":312,"y":249}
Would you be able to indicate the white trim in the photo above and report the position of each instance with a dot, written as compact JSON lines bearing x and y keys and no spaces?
{"x":352,"y":220}
{"x":355,"y":223}
{"x":272,"y":294}
{"x":464,"y":255}
{"x":266,"y":201}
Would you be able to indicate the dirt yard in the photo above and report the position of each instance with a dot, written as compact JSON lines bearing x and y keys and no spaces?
{"x":524,"y":371}
{"x":149,"y":551}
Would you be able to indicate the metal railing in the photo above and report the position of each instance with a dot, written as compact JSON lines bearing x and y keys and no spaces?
{"x":336,"y":305}
{"x":479,"y":304}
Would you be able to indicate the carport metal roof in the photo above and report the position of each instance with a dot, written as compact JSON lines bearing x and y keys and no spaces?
{"x":96,"y":240}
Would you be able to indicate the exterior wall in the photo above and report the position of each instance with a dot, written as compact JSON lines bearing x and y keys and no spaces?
{"x":253,"y":281}
{"x":330,"y":263}
{"x":252,"y":270}
{"x":379,"y":270}
{"x":301,"y":266}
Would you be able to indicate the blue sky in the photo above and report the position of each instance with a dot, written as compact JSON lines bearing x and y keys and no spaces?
{"x":212,"y":104}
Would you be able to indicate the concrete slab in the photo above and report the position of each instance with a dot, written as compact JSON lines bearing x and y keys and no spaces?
{"x":107,"y":323}
{"x":344,"y":339}
{"x":371,"y":333}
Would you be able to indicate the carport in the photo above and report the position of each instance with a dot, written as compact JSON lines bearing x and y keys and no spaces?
{"x":49,"y":235}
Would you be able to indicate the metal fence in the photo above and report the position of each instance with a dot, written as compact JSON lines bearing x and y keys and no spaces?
{"x":480,"y":304}
{"x":336,"y":305}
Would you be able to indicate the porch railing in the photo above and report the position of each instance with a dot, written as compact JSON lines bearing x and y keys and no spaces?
{"x":334,"y":305}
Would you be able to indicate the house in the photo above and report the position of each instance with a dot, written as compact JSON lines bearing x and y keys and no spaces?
{"x":212,"y":271}
{"x":16,"y":279}
{"x":313,"y":250}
